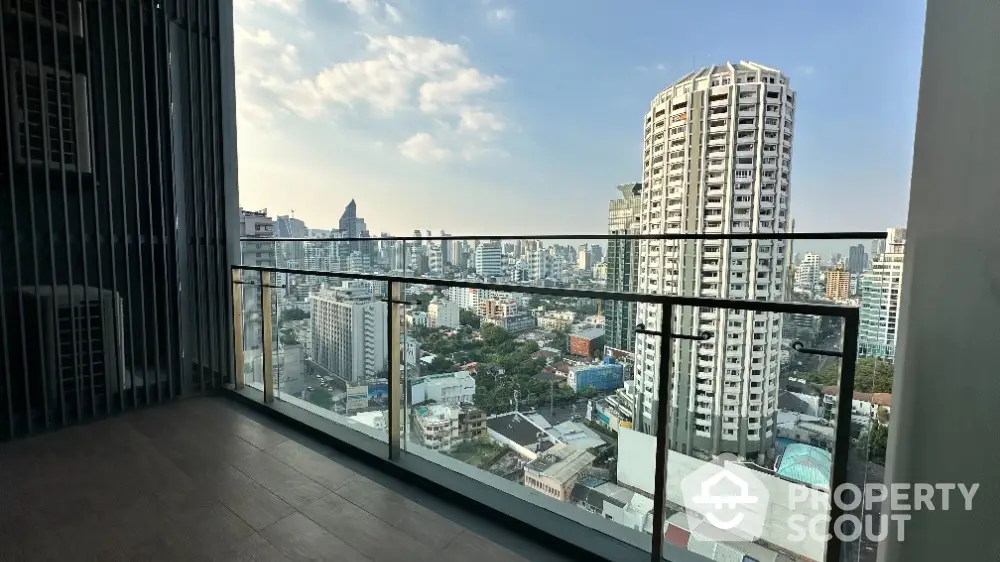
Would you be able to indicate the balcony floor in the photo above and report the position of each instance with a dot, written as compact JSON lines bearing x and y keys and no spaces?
{"x":206,"y":479}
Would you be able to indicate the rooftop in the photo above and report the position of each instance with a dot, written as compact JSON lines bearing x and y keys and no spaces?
{"x":561,"y":463}
{"x":516,"y":427}
{"x":807,"y":464}
{"x":588,"y":334}
{"x":877,"y":398}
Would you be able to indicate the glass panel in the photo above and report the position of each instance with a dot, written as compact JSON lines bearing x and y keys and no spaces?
{"x":751,"y":434}
{"x":534,"y":411}
{"x":331,"y":349}
{"x":252,"y":325}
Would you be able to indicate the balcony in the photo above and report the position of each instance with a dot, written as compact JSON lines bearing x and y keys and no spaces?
{"x":212,"y":479}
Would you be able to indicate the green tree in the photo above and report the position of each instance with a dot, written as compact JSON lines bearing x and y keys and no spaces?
{"x":468,"y":318}
{"x":870,"y":375}
{"x":439,"y":365}
{"x":292,"y":314}
{"x":878,"y":440}
{"x":288,"y":339}
{"x":321,"y":398}
{"x":882,"y":415}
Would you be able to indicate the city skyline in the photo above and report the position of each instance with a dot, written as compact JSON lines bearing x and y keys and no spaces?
{"x":468,"y":78}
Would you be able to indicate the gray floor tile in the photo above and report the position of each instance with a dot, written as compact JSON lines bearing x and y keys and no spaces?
{"x":402,"y":513}
{"x":281,"y":479}
{"x":300,"y":539}
{"x":371,"y":536}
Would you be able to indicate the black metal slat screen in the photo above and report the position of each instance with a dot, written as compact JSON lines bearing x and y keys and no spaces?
{"x":113,"y":255}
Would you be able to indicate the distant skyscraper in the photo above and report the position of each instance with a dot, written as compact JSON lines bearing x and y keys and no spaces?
{"x":352,"y":226}
{"x":838,"y":283}
{"x":623,"y":266}
{"x":808,"y":274}
{"x":349,"y":333}
{"x":596,"y":253}
{"x":880,"y":297}
{"x":857,"y":259}
{"x":717,"y":159}
{"x":489,"y":258}
{"x":878,"y":248}
{"x":446,"y":249}
{"x":584,"y":259}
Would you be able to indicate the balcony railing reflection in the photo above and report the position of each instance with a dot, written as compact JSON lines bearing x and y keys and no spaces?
{"x":490,"y":415}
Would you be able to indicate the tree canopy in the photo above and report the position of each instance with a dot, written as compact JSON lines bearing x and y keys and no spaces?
{"x":292,"y":314}
{"x":870,"y":375}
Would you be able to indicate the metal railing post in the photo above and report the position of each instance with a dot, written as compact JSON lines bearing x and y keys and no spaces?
{"x":842,"y":427}
{"x":266,"y":331}
{"x":662,"y":425}
{"x":396,"y":392}
{"x":239,"y":380}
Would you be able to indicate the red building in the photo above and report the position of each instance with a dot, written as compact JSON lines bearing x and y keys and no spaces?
{"x":587,"y":343}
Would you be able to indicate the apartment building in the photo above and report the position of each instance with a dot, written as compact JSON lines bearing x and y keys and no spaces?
{"x":838,"y":283}
{"x":808,"y":274}
{"x":442,"y":313}
{"x":442,"y":427}
{"x":489,"y":259}
{"x":881,"y":290}
{"x":717,"y":159}
{"x":349,"y":332}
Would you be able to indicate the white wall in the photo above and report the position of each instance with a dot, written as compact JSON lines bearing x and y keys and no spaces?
{"x":947,"y":384}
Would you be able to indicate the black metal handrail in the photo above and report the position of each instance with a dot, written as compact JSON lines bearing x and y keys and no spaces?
{"x":856,"y":235}
{"x":849,"y":314}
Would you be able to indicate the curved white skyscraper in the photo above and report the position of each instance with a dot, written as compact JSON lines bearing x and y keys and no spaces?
{"x":717,"y":159}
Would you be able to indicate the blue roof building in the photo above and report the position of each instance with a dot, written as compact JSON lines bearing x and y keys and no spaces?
{"x":603,"y":377}
{"x":806,"y":464}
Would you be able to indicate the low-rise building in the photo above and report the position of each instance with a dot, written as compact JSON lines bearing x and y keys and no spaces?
{"x":556,"y":471}
{"x":556,"y":320}
{"x":587,"y":343}
{"x":443,"y":388}
{"x":864,"y":403}
{"x":441,"y":427}
{"x":611,"y":501}
{"x":604,"y":377}
{"x":417,"y":319}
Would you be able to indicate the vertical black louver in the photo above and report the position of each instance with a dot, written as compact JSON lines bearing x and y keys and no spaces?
{"x":114,"y":263}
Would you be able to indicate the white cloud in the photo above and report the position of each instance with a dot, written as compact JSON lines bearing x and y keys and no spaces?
{"x":268,"y":76}
{"x":477,"y":120}
{"x":412,"y":75}
{"x":374,"y":10}
{"x":501,"y":14}
{"x":422,"y":147}
{"x":400,"y":67}
{"x":286,"y":6}
{"x":434,"y":96}
{"x":807,"y":70}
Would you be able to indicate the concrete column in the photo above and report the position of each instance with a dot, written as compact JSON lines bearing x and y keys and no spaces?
{"x":945,"y":424}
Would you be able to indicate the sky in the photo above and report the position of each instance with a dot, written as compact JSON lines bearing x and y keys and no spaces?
{"x":521,"y":117}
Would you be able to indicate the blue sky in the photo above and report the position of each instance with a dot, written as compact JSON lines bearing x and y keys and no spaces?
{"x":513,"y":117}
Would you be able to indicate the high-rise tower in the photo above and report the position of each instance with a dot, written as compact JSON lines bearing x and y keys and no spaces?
{"x":717,"y":159}
{"x":623,"y":262}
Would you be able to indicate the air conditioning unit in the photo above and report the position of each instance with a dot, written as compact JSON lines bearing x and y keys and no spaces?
{"x":80,"y":333}
{"x":66,"y":16}
{"x":63,"y":111}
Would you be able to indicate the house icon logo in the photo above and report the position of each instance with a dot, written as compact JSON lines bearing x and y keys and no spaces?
{"x":728,"y":497}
